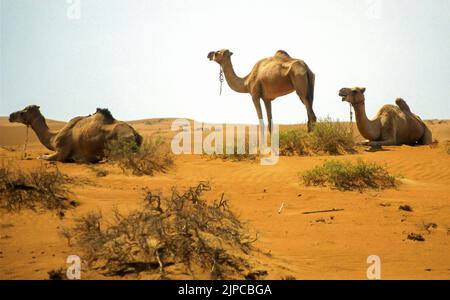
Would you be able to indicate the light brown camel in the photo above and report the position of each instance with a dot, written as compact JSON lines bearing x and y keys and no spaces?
{"x":82,"y":139}
{"x":393,"y":124}
{"x":269,"y":79}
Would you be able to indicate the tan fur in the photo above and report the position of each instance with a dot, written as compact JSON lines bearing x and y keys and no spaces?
{"x":82,"y":139}
{"x":271,"y":78}
{"x":393,"y":124}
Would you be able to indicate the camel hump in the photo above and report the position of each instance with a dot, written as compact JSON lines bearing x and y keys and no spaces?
{"x":106,"y":114}
{"x":403,"y":106}
{"x":282,"y":53}
{"x":72,"y":123}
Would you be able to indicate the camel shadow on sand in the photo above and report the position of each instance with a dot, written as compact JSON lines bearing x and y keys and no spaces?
{"x":376,"y":149}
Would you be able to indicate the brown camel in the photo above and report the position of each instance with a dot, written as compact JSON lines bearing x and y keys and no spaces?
{"x":393,"y":124}
{"x":82,"y":139}
{"x":269,"y":79}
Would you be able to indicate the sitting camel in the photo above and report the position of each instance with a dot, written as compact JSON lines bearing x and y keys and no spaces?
{"x":269,"y":79}
{"x":82,"y":139}
{"x":393,"y":125}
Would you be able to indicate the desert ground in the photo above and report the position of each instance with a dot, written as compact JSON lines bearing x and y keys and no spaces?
{"x":331,"y":245}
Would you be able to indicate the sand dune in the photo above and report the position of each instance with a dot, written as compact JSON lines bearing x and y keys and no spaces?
{"x":316,"y":246}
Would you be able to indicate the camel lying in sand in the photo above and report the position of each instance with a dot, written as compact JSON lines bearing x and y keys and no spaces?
{"x":393,"y":125}
{"x":82,"y":139}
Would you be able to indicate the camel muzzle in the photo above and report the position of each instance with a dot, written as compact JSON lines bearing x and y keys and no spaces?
{"x":211,"y":55}
{"x":343,"y":93}
{"x":12,"y":118}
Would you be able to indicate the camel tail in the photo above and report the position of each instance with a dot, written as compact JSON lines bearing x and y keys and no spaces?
{"x":403,"y":106}
{"x":311,"y":83}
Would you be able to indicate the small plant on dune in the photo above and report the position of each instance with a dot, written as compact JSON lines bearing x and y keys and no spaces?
{"x":294,"y":142}
{"x":349,"y":176}
{"x":235,"y":155}
{"x":183,"y":229}
{"x":40,"y":188}
{"x":152,"y":156}
{"x":327,"y":137}
{"x":331,"y":137}
{"x":246,"y":151}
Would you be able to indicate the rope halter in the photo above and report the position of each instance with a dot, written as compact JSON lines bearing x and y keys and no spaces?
{"x":221,"y":80}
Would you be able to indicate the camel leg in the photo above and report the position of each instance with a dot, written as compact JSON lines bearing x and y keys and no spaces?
{"x":61,"y":155}
{"x":301,"y":87}
{"x":257,"y":103}
{"x":268,"y":105}
{"x":50,"y":157}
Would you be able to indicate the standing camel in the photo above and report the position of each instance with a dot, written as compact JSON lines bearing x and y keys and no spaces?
{"x":269,"y":79}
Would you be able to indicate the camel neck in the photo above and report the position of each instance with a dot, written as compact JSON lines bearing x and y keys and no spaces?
{"x":43,"y":133}
{"x":369,"y":129}
{"x":235,"y":82}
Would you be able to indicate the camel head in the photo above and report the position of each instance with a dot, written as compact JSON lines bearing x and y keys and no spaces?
{"x":352,"y":95}
{"x":26,"y":115}
{"x":220,"y":56}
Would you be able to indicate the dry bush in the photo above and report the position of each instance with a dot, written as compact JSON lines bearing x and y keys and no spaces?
{"x":152,"y":156}
{"x":40,"y":188}
{"x":349,"y":176}
{"x":327,"y":137}
{"x":183,"y":229}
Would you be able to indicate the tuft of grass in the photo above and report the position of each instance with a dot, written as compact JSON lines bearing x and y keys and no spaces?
{"x":40,"y":188}
{"x":248,"y":151}
{"x":235,"y":156}
{"x":294,"y":142}
{"x":327,"y":137}
{"x":183,"y":229}
{"x":332,"y":137}
{"x":152,"y":156}
{"x":349,"y":176}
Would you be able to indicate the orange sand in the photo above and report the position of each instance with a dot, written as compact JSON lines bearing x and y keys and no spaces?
{"x":300,"y":245}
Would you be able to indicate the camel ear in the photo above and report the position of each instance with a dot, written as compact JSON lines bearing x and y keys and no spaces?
{"x":228,"y":52}
{"x":363,"y":90}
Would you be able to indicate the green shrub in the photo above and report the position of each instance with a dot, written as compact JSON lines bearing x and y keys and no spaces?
{"x":294,"y":142}
{"x":349,"y":176}
{"x":153,"y":155}
{"x":327,"y":137}
{"x":331,"y":137}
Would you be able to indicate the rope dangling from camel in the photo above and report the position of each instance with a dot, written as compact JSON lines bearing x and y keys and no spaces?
{"x":351,"y":119}
{"x":220,"y":80}
{"x":24,"y":150}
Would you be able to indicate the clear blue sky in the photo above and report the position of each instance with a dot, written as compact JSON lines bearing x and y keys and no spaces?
{"x":147,"y":58}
